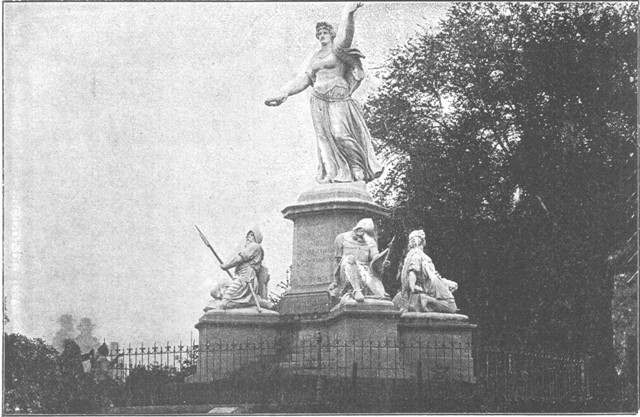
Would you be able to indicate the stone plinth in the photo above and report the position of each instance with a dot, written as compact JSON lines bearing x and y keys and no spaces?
{"x":383,"y":341}
{"x":233,"y":339}
{"x":371,"y":320}
{"x":318,"y":216}
{"x":445,"y":341}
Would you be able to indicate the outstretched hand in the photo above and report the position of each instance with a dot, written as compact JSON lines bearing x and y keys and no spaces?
{"x":275,"y":101}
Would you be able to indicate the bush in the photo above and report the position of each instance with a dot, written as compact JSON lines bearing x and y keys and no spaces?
{"x":31,"y":376}
{"x":37,"y":379}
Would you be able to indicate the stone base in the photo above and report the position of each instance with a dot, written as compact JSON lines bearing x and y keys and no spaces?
{"x":443,"y":319}
{"x":371,"y":320}
{"x":304,"y":301}
{"x":445,"y":338}
{"x":383,"y":341}
{"x":224,"y":333}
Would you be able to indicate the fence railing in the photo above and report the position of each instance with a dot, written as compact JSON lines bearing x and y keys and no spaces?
{"x":518,"y":373}
{"x":439,"y":358}
{"x":382,"y":375}
{"x":178,"y":359}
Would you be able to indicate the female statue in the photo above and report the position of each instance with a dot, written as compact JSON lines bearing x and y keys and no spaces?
{"x":345,"y":153}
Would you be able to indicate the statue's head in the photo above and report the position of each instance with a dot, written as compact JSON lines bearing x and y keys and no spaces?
{"x":416,"y":239}
{"x":364,"y":226}
{"x":325,"y":27}
{"x":254,"y":235}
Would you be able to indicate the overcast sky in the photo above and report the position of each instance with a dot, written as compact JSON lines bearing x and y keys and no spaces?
{"x":128,"y":123}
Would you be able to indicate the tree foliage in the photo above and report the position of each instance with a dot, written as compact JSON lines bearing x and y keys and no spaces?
{"x":510,"y":139}
{"x":31,"y":375}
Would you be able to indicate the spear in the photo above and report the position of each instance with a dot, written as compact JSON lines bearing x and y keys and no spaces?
{"x":206,"y":242}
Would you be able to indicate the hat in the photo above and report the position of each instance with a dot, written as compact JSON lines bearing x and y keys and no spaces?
{"x":85,"y":323}
{"x":417,"y":233}
{"x":366,"y":225}
{"x":256,"y":233}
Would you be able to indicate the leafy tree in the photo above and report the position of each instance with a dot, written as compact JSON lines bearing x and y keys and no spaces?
{"x":510,"y":135}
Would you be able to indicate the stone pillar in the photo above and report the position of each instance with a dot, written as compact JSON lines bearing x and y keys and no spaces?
{"x":318,"y":216}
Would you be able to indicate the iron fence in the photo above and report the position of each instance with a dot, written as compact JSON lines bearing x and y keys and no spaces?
{"x":519,"y":373}
{"x":437,"y":374}
{"x":178,"y":359}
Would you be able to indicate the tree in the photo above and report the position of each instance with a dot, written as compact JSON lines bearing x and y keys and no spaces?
{"x":510,"y":136}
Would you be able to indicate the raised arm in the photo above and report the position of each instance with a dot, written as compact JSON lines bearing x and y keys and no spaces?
{"x":344,"y":37}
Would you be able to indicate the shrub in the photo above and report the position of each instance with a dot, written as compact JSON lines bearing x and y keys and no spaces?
{"x":31,"y":376}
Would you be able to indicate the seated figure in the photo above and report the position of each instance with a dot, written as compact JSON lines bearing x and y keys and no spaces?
{"x":359,"y":265}
{"x":249,"y":271}
{"x":423,"y":289}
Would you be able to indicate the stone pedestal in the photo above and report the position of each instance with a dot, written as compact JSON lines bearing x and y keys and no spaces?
{"x":369,"y":321}
{"x":318,"y":216}
{"x":231,"y":340}
{"x":445,"y":342}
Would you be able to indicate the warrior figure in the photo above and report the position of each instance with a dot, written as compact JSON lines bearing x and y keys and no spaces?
{"x":359,"y":264}
{"x":248,"y":272}
{"x":423,"y":289}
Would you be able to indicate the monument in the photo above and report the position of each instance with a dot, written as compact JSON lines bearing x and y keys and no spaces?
{"x":336,"y":291}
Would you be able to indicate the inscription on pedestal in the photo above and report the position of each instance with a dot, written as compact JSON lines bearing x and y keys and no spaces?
{"x":318,"y":217}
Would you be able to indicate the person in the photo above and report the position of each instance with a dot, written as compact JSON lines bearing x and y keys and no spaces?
{"x":358,"y":264}
{"x":78,"y":388}
{"x":66,"y":329}
{"x":422,"y":287}
{"x":103,"y":370}
{"x":345,"y":152}
{"x":248,"y":272}
{"x":103,"y":375}
{"x":85,"y":339}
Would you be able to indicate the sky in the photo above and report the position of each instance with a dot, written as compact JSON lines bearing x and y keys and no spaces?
{"x":126,"y":124}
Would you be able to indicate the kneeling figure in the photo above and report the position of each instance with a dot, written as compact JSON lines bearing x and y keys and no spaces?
{"x":423,"y":289}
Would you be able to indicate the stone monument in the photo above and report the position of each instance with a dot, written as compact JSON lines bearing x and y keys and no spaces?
{"x":335,"y":287}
